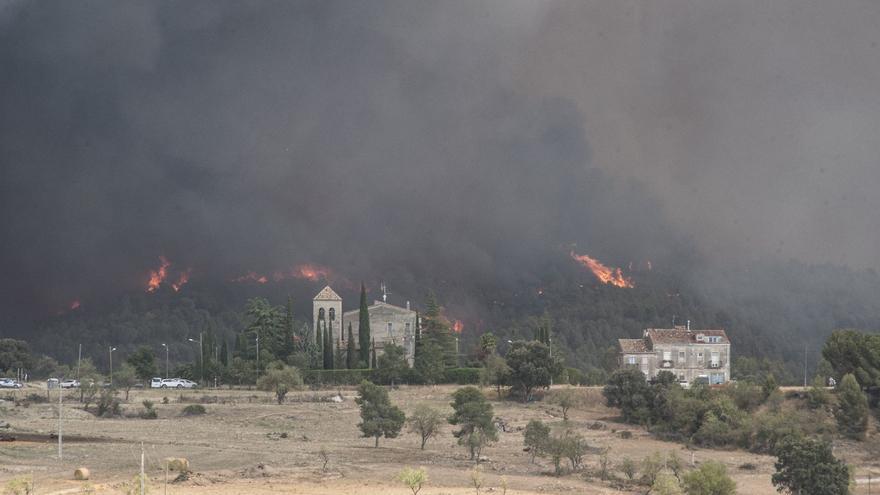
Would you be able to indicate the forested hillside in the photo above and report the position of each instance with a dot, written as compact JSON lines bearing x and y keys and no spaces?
{"x":771,"y":310}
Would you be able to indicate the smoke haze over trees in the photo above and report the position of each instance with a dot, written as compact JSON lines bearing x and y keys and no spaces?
{"x":460,"y":146}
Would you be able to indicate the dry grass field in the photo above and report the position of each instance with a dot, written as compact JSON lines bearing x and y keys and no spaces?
{"x":247,"y":444}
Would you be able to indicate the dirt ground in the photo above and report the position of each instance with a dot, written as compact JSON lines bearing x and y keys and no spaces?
{"x":247,"y":444}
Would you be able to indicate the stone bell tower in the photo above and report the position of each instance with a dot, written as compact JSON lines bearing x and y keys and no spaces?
{"x":326,"y":308}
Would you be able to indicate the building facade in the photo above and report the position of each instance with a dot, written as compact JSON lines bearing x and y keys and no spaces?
{"x":388,"y":323}
{"x":690,"y":355}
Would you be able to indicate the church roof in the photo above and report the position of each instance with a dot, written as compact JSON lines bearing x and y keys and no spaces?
{"x":327,"y":294}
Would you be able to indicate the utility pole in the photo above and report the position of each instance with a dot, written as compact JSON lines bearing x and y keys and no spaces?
{"x":258,"y":354}
{"x":143,"y":487}
{"x":60,"y":399}
{"x":201,"y":358}
{"x":111,"y":365}
{"x":79,"y":360}
{"x":166,"y":359}
{"x":805,"y":366}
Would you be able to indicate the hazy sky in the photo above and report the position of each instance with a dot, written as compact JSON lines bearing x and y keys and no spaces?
{"x":466,"y":139}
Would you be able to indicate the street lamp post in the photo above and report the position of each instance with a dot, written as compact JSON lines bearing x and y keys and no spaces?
{"x":201,"y":358}
{"x":111,"y":365}
{"x":258,"y":354}
{"x":166,"y":359}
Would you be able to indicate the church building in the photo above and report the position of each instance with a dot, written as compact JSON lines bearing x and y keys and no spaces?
{"x":388,"y":323}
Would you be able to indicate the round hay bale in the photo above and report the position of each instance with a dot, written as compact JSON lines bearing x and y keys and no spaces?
{"x":177,"y":464}
{"x":81,"y":474}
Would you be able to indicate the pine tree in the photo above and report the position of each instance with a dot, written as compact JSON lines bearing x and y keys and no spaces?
{"x":852,"y":412}
{"x":375,"y":362}
{"x":364,"y":328}
{"x":350,"y":358}
{"x":435,"y":330}
{"x":287,"y":330}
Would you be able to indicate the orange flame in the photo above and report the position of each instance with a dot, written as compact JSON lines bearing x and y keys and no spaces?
{"x":458,"y":326}
{"x":158,"y":276}
{"x":74,"y":305}
{"x":182,"y":279}
{"x":251,"y":277}
{"x":311,"y":272}
{"x":607,"y":275}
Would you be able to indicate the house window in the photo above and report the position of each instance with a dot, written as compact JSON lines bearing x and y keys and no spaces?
{"x":630,"y":360}
{"x":667,"y":355}
{"x":407,"y":328}
{"x":715,"y":359}
{"x":680,"y":356}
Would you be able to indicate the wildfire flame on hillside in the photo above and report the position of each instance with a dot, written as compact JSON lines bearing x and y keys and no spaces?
{"x":607,"y":275}
{"x":182,"y":279}
{"x":458,"y":326}
{"x":306,"y":271}
{"x":251,"y":277}
{"x":158,"y":276}
{"x":74,"y":305}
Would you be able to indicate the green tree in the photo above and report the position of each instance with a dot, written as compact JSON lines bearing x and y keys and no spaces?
{"x":852,"y":408}
{"x":364,"y":337}
{"x":328,"y":348}
{"x":392,"y":364}
{"x":437,"y":330}
{"x":430,"y":362}
{"x":854,"y":352}
{"x":709,"y":479}
{"x":824,"y":371}
{"x":321,"y":342}
{"x":488,"y":343}
{"x":280,"y":379}
{"x":530,"y":367}
{"x":565,"y":399}
{"x":374,"y":363}
{"x":536,"y":437}
{"x":125,"y":378}
{"x":817,"y":396}
{"x":808,"y":467}
{"x":769,"y":387}
{"x":266,"y":321}
{"x":628,"y":390}
{"x":473,"y":415}
{"x":379,"y":418}
{"x":287,"y":331}
{"x":143,"y":360}
{"x":351,"y":359}
{"x":413,"y":478}
{"x":15,"y":354}
{"x":426,"y":422}
{"x":495,"y":373}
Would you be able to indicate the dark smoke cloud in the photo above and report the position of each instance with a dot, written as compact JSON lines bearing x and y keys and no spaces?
{"x":426,"y":141}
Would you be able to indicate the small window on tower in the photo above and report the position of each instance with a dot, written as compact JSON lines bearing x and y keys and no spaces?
{"x":321,"y":314}
{"x":390,"y":327}
{"x":332,"y":314}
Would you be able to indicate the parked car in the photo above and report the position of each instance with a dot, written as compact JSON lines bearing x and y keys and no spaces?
{"x":156,"y":382}
{"x":10,"y":383}
{"x":70,"y":383}
{"x":52,"y":383}
{"x":178,"y":383}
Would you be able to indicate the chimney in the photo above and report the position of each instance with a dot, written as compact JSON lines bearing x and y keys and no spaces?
{"x":407,"y":305}
{"x":689,"y":325}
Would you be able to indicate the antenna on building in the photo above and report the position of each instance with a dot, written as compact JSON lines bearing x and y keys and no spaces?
{"x":689,"y":325}
{"x":673,"y":321}
{"x":384,"y":292}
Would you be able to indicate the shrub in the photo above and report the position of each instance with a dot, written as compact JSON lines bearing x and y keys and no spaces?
{"x":817,"y":396}
{"x":413,"y":478}
{"x":108,"y":404}
{"x":666,"y":484}
{"x":628,"y":468}
{"x":536,"y":436}
{"x":565,"y":399}
{"x":425,"y":421}
{"x":280,"y":381}
{"x":852,"y":410}
{"x":193,"y":410}
{"x":149,"y":411}
{"x":462,"y":376}
{"x":709,"y":479}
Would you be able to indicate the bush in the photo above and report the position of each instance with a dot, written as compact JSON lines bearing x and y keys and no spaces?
{"x":193,"y":410}
{"x":336,"y":377}
{"x":709,"y":479}
{"x":108,"y":404}
{"x":462,"y":376}
{"x":149,"y":411}
{"x":413,"y":478}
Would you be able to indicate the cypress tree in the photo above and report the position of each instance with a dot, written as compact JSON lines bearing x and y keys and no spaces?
{"x":418,"y":340}
{"x":852,"y":411}
{"x":330,"y":364}
{"x":375,"y":361}
{"x":350,"y":358}
{"x":288,"y":332}
{"x":364,"y":328}
{"x":319,"y":341}
{"x":224,"y":354}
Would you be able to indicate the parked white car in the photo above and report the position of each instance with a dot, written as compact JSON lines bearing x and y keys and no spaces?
{"x":178,"y":383}
{"x":10,"y":383}
{"x":70,"y":383}
{"x":156,"y":382}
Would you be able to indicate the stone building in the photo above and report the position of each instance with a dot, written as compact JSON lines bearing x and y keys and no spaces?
{"x":691,"y":355}
{"x":388,"y":323}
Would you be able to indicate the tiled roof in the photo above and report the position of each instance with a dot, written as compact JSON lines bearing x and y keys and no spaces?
{"x":631,"y":346}
{"x":682,"y":335}
{"x":327,"y":294}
